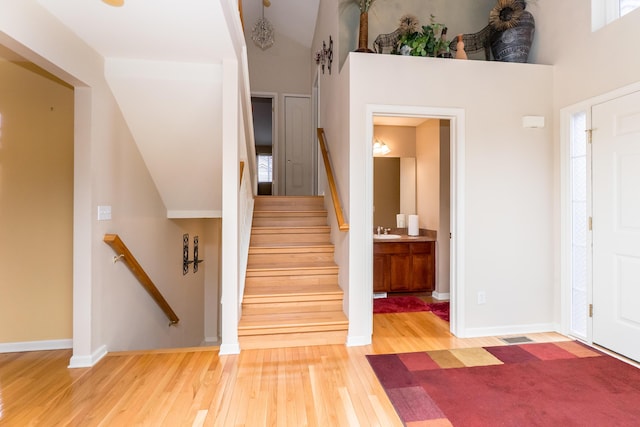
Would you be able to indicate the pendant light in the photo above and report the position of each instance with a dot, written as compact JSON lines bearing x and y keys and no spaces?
{"x":115,"y":3}
{"x":262,"y":33}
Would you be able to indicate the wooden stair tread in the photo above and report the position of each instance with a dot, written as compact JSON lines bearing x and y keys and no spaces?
{"x":288,"y":213}
{"x":299,"y":267}
{"x":291,"y":230}
{"x":292,"y":320}
{"x":253,"y":291}
{"x":294,"y":246}
{"x":289,"y":202}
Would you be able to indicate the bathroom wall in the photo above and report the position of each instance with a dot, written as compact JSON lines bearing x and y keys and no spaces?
{"x":428,"y":174}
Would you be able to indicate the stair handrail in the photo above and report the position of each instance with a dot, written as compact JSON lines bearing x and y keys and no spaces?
{"x":123,"y":253}
{"x":342,"y":224}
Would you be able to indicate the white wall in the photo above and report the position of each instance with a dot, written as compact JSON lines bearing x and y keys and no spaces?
{"x":333,"y":117}
{"x":587,"y":63}
{"x":284,"y":68}
{"x":508,"y":195}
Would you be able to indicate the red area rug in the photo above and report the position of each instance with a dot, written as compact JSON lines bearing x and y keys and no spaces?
{"x":540,"y":384}
{"x":399,"y":305}
{"x":440,"y":309}
{"x":410,"y":304}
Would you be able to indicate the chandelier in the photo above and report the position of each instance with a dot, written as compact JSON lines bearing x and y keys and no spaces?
{"x":262,"y":33}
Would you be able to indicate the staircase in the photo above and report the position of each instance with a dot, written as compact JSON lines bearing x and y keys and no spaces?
{"x":291,"y":295}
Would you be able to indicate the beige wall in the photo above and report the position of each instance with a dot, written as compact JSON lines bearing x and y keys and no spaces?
{"x":401,"y":140}
{"x":36,"y":205}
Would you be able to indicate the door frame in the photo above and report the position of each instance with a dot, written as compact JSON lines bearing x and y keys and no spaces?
{"x":456,"y":117}
{"x":565,"y":206}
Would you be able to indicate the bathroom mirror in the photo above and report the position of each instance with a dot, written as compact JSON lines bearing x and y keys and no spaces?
{"x":394,"y":189}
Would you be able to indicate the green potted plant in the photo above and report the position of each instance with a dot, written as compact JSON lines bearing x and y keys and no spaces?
{"x":430,"y":41}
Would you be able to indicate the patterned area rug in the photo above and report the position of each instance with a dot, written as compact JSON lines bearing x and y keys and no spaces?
{"x":539,"y":384}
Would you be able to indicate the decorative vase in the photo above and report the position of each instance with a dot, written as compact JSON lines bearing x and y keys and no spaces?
{"x":514,"y":44}
{"x":460,"y":53}
{"x":363,"y":34}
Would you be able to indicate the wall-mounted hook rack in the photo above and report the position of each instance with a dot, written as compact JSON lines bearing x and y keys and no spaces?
{"x":196,"y":261}
{"x":185,"y":254}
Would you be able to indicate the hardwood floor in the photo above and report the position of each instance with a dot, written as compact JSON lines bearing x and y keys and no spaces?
{"x":330,"y":385}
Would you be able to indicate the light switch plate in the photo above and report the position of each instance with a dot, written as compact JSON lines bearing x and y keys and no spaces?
{"x":104,"y":213}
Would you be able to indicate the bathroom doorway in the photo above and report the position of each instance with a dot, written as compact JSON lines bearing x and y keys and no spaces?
{"x":411,"y":177}
{"x":448,"y":188}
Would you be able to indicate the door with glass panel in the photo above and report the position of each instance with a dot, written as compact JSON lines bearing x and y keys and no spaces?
{"x":580,"y":240}
{"x":616,"y":225}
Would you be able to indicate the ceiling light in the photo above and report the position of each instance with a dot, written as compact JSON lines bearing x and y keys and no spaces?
{"x":380,"y":148}
{"x":262,"y":33}
{"x":116,"y":3}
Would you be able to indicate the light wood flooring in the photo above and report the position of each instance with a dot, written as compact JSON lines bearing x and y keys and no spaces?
{"x":330,"y":385}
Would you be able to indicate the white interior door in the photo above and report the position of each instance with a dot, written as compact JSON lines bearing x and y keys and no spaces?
{"x":299,"y":152}
{"x":616,"y":225}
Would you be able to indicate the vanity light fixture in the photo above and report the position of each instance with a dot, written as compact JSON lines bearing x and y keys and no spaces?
{"x":380,"y":148}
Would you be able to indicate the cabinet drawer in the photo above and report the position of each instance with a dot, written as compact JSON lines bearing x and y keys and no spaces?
{"x":391,"y":248}
{"x":422,"y":247}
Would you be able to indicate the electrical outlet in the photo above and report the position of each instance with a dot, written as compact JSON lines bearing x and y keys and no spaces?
{"x":482,"y":297}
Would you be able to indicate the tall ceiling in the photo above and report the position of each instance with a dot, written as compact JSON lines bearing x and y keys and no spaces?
{"x":164,"y":30}
{"x":295,"y":19}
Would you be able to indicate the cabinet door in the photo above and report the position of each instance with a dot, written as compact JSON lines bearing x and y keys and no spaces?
{"x":423,"y":266}
{"x":380,"y":273}
{"x":400,"y":272}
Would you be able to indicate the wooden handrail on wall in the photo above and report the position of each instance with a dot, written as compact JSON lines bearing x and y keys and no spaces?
{"x":342,"y":225}
{"x":123,"y":253}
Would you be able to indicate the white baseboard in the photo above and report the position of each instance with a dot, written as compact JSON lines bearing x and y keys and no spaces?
{"x":229,"y":349}
{"x":88,"y":361}
{"x":507,"y":330}
{"x":441,"y":295}
{"x":16,"y":347}
{"x":358,"y":341}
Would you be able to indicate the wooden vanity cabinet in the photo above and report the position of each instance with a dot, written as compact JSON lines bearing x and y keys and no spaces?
{"x":404,"y":267}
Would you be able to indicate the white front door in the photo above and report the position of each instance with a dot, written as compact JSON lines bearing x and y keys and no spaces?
{"x":616,"y":225}
{"x":299,"y":147}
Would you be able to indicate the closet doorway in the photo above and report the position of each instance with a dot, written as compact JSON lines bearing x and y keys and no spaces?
{"x":264,"y":130}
